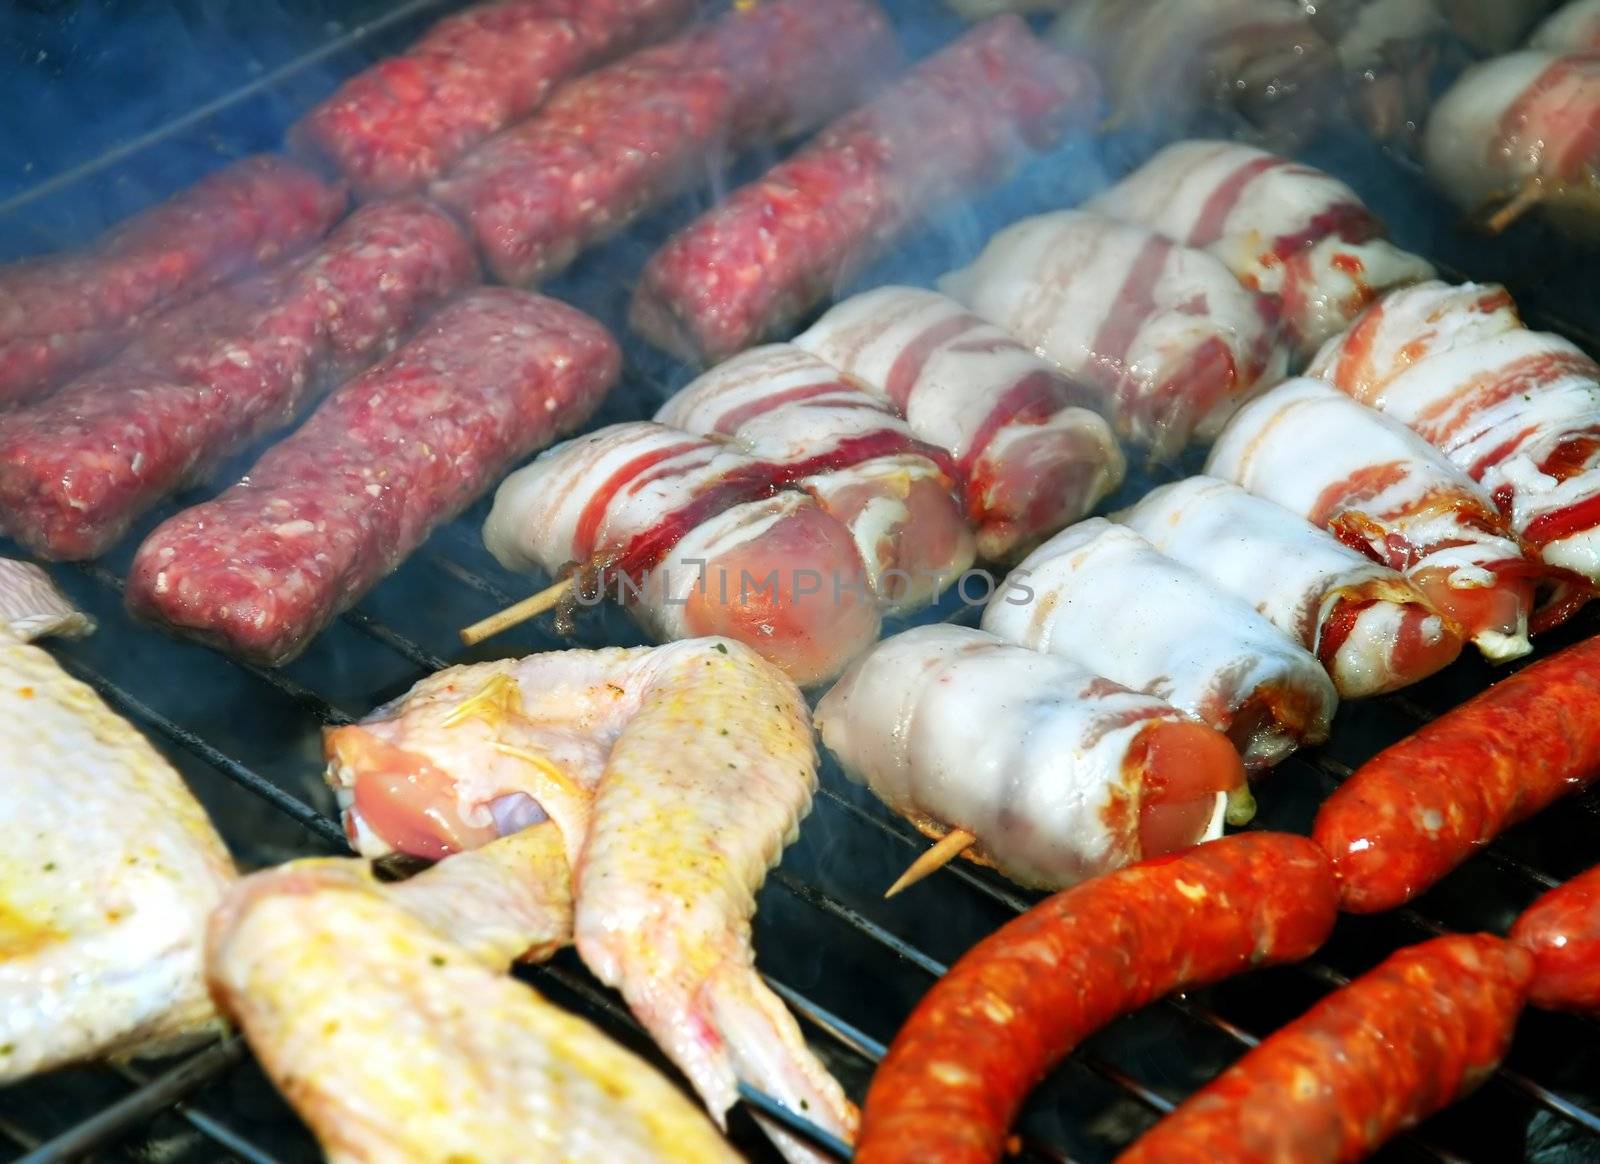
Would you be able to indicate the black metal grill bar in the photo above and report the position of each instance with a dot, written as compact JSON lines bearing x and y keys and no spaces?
{"x":139,"y":1105}
{"x":213,"y":1129}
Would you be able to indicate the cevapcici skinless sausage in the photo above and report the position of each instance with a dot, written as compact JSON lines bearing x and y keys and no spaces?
{"x":780,"y":244}
{"x":78,"y":468}
{"x":615,"y":141}
{"x":407,"y":444}
{"x":1022,"y":998}
{"x":1418,"y":809}
{"x":60,"y":314}
{"x":1562,"y":931}
{"x":1370,"y":1060}
{"x":396,"y":126}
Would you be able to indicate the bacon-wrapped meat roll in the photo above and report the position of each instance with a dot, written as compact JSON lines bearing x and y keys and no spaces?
{"x":1377,"y":486}
{"x":698,"y":538}
{"x":1102,"y":596}
{"x":1574,"y":28}
{"x":1518,"y":411}
{"x":1373,"y":630}
{"x":847,"y":449}
{"x":1163,"y":333}
{"x":1285,"y":229}
{"x":1060,"y":774}
{"x":1033,"y":459}
{"x":1520,"y":125}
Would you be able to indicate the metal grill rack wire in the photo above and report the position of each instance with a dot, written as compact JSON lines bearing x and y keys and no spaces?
{"x":850,"y":964}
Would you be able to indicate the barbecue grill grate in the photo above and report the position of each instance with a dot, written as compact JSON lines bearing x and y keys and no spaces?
{"x":849,"y":963}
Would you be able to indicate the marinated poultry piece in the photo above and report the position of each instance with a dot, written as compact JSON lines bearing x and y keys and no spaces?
{"x":1516,"y":410}
{"x":1372,"y":630}
{"x":748,"y":268}
{"x":31,"y":606}
{"x":262,"y":568}
{"x":399,"y":1038}
{"x":697,"y":538}
{"x":615,"y":142}
{"x":1059,"y":774}
{"x":1572,"y":28}
{"x":1519,"y":131}
{"x":1287,"y":230}
{"x":675,"y":775}
{"x":60,"y":314}
{"x":1381,"y":489}
{"x":393,"y":128}
{"x":1163,"y":334}
{"x":1100,"y":595}
{"x":848,"y":450}
{"x":1032,"y":457}
{"x":109,"y":870}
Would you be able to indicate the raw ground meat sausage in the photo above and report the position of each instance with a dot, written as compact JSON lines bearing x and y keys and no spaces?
{"x":618,"y":140}
{"x":1418,"y":809}
{"x":62,"y":313}
{"x":407,"y":444}
{"x":753,"y":264}
{"x":1562,"y":931}
{"x":77,"y":469}
{"x":1370,"y":1060}
{"x":395,"y":127}
{"x":1021,"y":999}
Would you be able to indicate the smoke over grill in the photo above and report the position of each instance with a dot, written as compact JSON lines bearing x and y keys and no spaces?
{"x":114,"y":109}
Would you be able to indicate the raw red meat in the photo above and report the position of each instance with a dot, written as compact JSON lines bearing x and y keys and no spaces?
{"x":779,"y":245}
{"x":612,"y":143}
{"x":77,"y":469}
{"x":395,"y":127}
{"x":62,"y":313}
{"x":261,"y":569}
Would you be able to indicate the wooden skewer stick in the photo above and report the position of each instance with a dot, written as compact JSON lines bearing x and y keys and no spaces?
{"x":532,"y":607}
{"x":1531,"y":194}
{"x":949,"y":847}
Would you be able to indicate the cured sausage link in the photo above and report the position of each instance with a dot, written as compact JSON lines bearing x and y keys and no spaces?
{"x":1418,"y":809}
{"x":1020,"y":1000}
{"x":409,"y":443}
{"x":1397,"y":1044}
{"x":1562,"y":932}
{"x":393,"y":128}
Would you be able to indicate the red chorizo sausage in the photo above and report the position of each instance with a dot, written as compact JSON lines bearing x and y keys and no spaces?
{"x":1394,"y":1046}
{"x":1025,"y":996}
{"x":1417,"y":810}
{"x":1562,"y":932}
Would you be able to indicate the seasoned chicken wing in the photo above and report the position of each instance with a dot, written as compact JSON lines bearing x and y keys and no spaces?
{"x":676,"y":775}
{"x":382,"y":1012}
{"x":109,"y":867}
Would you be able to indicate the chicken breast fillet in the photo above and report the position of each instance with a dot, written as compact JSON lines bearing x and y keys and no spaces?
{"x":383,"y":1013}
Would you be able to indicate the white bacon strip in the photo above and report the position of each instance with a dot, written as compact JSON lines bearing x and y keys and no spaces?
{"x":1057,"y":772}
{"x":1102,"y":596}
{"x":1033,"y":459}
{"x":698,"y":538}
{"x":1379,"y":487}
{"x":1162,"y":332}
{"x":1517,"y":410}
{"x":1574,"y":28}
{"x":1284,"y":229}
{"x":1526,"y":117}
{"x":1371,"y":629}
{"x":847,"y":449}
